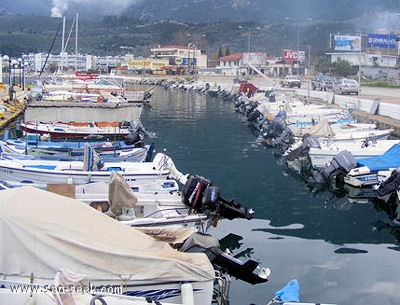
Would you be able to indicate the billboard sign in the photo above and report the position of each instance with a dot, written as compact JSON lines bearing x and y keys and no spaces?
{"x":382,"y":41}
{"x":294,"y":55}
{"x":346,"y":43}
{"x":192,"y":61}
{"x":290,"y":55}
{"x":302,"y":56}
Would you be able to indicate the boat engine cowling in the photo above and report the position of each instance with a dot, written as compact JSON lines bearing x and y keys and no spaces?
{"x":134,"y":138}
{"x":336,"y":169}
{"x":202,"y":197}
{"x":390,"y":185}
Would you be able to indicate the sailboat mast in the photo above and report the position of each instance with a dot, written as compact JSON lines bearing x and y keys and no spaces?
{"x":76,"y":42}
{"x":62,"y":45}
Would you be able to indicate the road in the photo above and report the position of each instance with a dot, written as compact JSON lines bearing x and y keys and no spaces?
{"x":386,"y":95}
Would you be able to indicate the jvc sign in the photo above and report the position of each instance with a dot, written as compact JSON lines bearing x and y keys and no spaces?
{"x":293,"y":55}
{"x":290,"y":55}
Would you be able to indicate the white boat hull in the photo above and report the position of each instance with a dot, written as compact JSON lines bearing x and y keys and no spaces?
{"x":365,"y":178}
{"x":319,"y":157}
{"x":59,"y":172}
{"x":126,"y":292}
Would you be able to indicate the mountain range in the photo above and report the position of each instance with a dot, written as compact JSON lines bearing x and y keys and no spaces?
{"x":140,"y":24}
{"x":206,"y":11}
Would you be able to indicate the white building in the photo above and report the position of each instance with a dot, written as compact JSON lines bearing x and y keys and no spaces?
{"x":240,"y":64}
{"x":180,"y":58}
{"x":365,"y":59}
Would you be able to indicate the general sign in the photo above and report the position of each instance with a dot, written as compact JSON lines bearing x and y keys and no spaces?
{"x":382,"y":41}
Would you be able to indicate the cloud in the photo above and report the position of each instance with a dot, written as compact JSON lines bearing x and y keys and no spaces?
{"x":59,"y":7}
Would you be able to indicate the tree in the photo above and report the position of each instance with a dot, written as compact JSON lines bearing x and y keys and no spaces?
{"x":220,"y":54}
{"x":227,"y":52}
{"x":322,"y":64}
{"x":343,"y":68}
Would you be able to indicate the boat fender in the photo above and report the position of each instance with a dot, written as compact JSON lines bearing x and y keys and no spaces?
{"x":187,"y":293}
{"x":100,"y":99}
{"x":95,"y":298}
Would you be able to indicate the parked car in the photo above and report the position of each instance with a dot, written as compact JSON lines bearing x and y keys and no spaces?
{"x":346,"y":86}
{"x":239,"y":80}
{"x":322,"y":83}
{"x":291,"y":81}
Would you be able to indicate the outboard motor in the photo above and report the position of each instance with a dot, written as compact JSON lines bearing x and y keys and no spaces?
{"x":134,"y":138}
{"x":124,"y":124}
{"x":240,"y":105}
{"x":274,"y":128}
{"x":335,"y":170}
{"x":201,"y":197}
{"x":205,"y":243}
{"x":287,"y":137}
{"x":254,"y":116}
{"x":307,"y":142}
{"x":276,"y":132}
{"x":147,"y":95}
{"x":390,"y":185}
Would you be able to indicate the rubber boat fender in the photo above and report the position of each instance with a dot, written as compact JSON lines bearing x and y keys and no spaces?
{"x":187,"y":293}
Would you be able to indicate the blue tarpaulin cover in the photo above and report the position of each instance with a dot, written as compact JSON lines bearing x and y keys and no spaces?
{"x":390,"y":159}
{"x":289,"y":293}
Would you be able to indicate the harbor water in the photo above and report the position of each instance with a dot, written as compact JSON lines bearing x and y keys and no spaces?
{"x":341,"y":251}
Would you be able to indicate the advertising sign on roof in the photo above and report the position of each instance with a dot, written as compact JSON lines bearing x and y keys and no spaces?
{"x":382,"y":41}
{"x":290,"y":55}
{"x":346,"y":43}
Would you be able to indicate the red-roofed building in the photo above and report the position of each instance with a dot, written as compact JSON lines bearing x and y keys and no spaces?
{"x":239,"y":64}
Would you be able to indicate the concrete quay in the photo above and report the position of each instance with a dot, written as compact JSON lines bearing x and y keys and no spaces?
{"x":378,"y":105}
{"x":17,"y":105}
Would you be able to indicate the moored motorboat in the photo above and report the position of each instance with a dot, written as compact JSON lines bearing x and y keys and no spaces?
{"x":60,"y":232}
{"x":64,"y":130}
{"x":320,"y":156}
{"x":79,"y":172}
{"x":112,"y":152}
{"x":370,"y":171}
{"x":73,"y":288}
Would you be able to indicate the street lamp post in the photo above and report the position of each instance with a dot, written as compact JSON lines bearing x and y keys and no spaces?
{"x":15,"y":66}
{"x":249,"y":35}
{"x":298,"y":43}
{"x":191,"y":60}
{"x":359,"y":74}
{"x":298,"y":49}
{"x":107,"y":45}
{"x":7,"y":59}
{"x":248,"y":44}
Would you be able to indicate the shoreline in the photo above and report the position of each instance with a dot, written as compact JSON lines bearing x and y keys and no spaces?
{"x":362,"y":107}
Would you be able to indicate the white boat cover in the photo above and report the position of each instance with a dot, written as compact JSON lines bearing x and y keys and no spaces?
{"x":42,"y":232}
{"x":322,"y":129}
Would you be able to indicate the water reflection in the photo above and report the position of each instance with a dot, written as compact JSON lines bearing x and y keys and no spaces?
{"x":349,"y":273}
{"x":205,"y":136}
